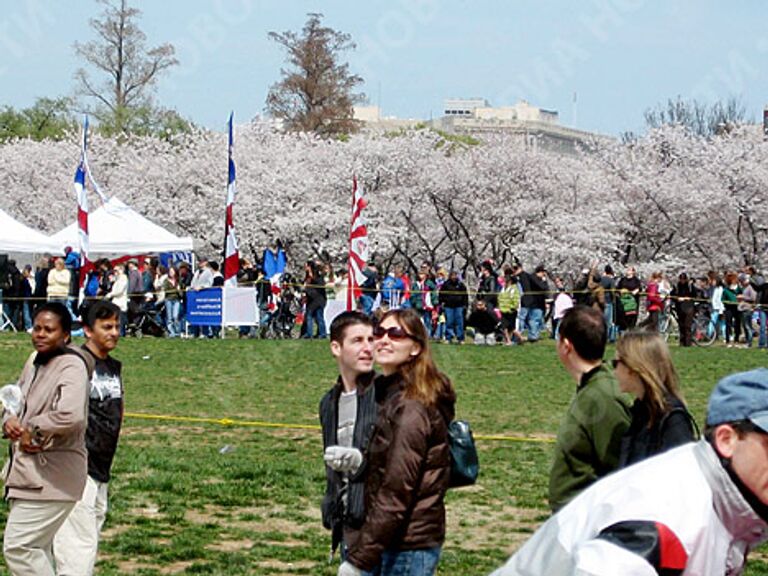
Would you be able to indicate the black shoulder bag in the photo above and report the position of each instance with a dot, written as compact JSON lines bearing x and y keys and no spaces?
{"x":464,"y":463}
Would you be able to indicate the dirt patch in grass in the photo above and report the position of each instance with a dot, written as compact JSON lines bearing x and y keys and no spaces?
{"x":176,"y":567}
{"x":472,"y":527}
{"x":231,"y":545}
{"x":289,"y":567}
{"x":265,"y":519}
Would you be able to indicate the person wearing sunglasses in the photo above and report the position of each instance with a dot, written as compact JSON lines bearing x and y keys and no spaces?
{"x":660,"y":420}
{"x":408,"y":460}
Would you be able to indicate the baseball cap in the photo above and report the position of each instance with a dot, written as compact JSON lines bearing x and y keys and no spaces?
{"x":740,"y":396}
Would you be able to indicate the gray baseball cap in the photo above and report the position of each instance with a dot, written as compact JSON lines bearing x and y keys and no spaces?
{"x":740,"y":396}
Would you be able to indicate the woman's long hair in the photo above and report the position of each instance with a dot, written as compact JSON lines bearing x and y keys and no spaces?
{"x":646,"y":354}
{"x":423,"y":381}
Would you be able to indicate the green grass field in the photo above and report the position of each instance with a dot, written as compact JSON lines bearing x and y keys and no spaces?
{"x":191,"y":497}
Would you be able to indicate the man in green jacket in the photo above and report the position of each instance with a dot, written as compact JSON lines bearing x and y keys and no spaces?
{"x":589,"y":439}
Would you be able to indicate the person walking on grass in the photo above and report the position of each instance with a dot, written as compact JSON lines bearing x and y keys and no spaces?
{"x":347,"y":414}
{"x":77,"y":541}
{"x":47,"y":468}
{"x":589,"y":438}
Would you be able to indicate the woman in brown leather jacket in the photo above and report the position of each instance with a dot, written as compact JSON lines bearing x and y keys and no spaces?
{"x":408,"y":461}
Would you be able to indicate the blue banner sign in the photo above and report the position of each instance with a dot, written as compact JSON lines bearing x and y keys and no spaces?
{"x":204,"y":307}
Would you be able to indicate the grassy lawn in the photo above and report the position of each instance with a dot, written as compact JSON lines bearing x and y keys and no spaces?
{"x":193,"y":497}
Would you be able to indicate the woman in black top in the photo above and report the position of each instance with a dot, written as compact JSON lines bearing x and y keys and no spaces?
{"x":660,"y":420}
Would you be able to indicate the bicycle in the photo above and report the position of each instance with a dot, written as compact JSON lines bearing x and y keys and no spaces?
{"x":703,"y":329}
{"x":669,"y":326}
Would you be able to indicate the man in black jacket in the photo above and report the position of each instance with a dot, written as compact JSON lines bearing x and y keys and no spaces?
{"x":684,"y":295}
{"x":348,"y":412}
{"x":76,"y":543}
{"x":454,"y":299}
{"x":534,"y":300}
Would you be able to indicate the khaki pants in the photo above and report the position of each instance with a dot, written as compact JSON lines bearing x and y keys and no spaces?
{"x":77,"y":541}
{"x":29,"y":533}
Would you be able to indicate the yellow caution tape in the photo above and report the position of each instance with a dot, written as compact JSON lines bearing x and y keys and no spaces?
{"x":285,"y":426}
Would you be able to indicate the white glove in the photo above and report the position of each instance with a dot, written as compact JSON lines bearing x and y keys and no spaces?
{"x":343,"y":459}
{"x":347,"y":569}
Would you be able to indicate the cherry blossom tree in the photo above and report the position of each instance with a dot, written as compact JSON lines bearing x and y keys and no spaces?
{"x":669,"y":199}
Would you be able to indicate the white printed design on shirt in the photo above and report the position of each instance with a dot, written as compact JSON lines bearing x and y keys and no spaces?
{"x":105,"y":387}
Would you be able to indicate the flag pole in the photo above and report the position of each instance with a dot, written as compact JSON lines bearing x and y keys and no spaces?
{"x":81,"y":193}
{"x":350,"y":270}
{"x":231,"y":253}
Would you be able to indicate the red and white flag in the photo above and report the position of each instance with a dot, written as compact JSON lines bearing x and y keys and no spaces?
{"x":358,"y":245}
{"x":82,"y":208}
{"x":231,"y":253}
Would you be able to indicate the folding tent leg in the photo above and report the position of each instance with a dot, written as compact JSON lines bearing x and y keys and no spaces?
{"x":5,"y":322}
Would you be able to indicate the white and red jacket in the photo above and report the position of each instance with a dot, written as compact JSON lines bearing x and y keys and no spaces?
{"x":678,"y":513}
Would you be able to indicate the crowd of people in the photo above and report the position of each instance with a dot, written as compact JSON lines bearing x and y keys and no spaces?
{"x":505,"y":305}
{"x":513,"y":306}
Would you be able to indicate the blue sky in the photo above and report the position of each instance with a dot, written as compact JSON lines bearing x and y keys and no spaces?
{"x":618,"y":57}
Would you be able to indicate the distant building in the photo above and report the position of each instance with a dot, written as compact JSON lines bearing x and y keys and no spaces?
{"x":463,"y":106}
{"x":371,"y":117}
{"x":539,"y":128}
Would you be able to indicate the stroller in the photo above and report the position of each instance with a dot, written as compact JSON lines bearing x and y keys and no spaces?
{"x":145,"y":319}
{"x":278,"y":323}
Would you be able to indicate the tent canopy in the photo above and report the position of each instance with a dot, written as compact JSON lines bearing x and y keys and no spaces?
{"x":16,"y":237}
{"x":115,"y":228}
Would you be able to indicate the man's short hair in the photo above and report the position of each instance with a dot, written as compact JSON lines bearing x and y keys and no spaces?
{"x":584,"y":327}
{"x":100,"y":310}
{"x":345,"y":320}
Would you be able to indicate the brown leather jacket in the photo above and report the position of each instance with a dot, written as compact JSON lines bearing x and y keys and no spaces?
{"x":408,"y":473}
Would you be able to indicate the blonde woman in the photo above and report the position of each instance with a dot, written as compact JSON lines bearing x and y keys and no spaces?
{"x":660,"y":420}
{"x":58,"y":282}
{"x":408,"y":459}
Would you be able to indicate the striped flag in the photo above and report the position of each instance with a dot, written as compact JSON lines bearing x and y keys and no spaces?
{"x":82,"y":207}
{"x":231,"y":254}
{"x":358,"y":246}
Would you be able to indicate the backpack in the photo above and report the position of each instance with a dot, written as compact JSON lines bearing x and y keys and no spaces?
{"x":628,"y":303}
{"x":92,"y":286}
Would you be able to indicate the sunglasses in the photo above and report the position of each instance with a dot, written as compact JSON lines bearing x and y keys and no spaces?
{"x":394,"y":333}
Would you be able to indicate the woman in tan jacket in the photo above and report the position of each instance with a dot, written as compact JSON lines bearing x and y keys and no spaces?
{"x":48,"y":466}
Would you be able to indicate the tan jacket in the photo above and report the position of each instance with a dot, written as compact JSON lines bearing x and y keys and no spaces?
{"x":56,"y":401}
{"x":58,"y":283}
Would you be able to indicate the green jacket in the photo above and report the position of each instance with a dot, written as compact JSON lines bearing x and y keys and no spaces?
{"x":589,"y":439}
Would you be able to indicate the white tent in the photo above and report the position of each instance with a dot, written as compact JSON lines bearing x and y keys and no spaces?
{"x":18,"y":238}
{"x":115,"y":228}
